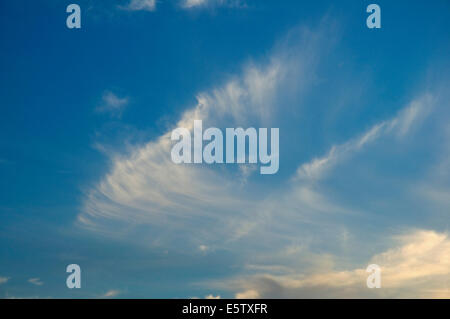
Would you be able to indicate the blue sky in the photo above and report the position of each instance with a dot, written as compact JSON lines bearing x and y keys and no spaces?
{"x":85,"y":166}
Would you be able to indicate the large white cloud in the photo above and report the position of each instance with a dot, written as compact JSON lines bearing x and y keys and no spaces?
{"x":145,"y":197}
{"x":418,"y":266}
{"x":146,"y":187}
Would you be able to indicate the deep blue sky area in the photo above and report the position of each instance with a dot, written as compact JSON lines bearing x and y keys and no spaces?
{"x":56,"y":143}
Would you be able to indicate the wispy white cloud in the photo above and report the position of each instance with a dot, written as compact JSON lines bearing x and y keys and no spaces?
{"x":203,"y":248}
{"x":145,"y":187}
{"x":36,"y":281}
{"x":145,"y":197}
{"x":210,"y":296}
{"x":192,"y":4}
{"x":140,"y":5}
{"x":111,"y":293}
{"x":4,"y":280}
{"x":187,"y":4}
{"x":248,"y":294}
{"x":398,"y":125}
{"x":112,"y":104}
{"x":8,"y":296}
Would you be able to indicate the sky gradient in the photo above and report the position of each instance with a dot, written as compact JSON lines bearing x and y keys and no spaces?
{"x":86,"y":174}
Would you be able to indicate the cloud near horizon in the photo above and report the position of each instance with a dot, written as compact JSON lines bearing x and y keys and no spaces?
{"x":418,"y":266}
{"x":36,"y":281}
{"x":111,"y":293}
